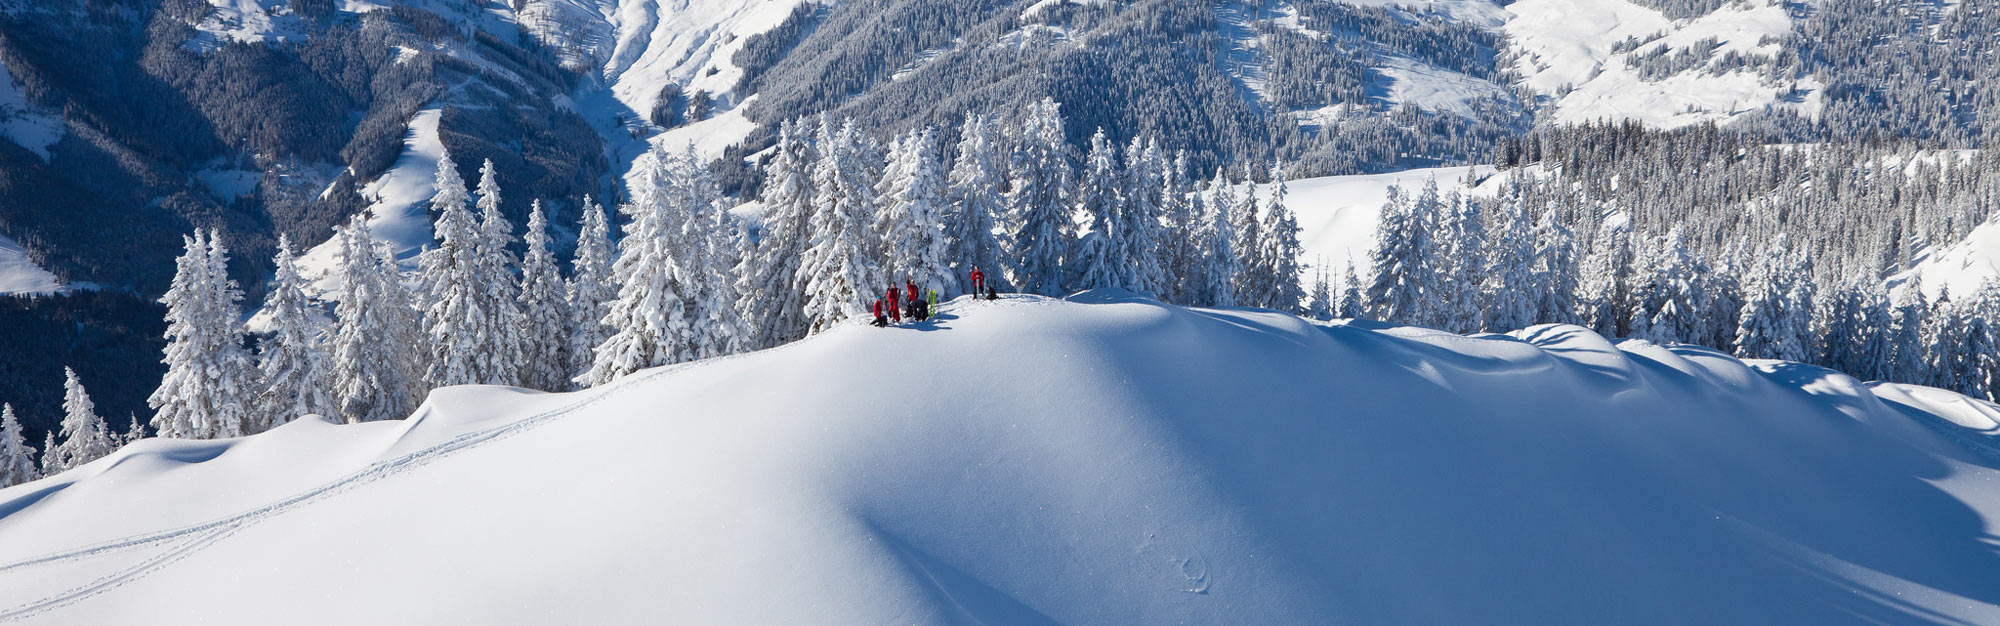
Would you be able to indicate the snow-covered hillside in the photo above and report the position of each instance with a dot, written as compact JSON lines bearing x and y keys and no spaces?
{"x":1102,"y":461}
{"x":1337,"y":214}
{"x":19,"y":274}
{"x":1570,"y":51}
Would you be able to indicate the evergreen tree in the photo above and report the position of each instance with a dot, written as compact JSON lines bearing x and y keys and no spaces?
{"x":1464,"y":263}
{"x":1253,"y":280}
{"x":1038,"y":202}
{"x":1839,"y":329}
{"x":1093,"y":263}
{"x":1512,"y":287}
{"x":1674,"y":302}
{"x":839,"y":271}
{"x":545,"y":311}
{"x":1220,"y":263}
{"x":85,"y":438}
{"x":1874,"y":352}
{"x":648,"y":321}
{"x":1320,"y":304}
{"x":207,"y":392}
{"x":709,"y":250}
{"x":1280,"y":254}
{"x":1182,"y":212}
{"x":462,"y":339}
{"x":134,"y":430}
{"x":1941,"y":337}
{"x":1980,"y":347}
{"x":17,"y":458}
{"x":1767,"y":327}
{"x":1404,"y":287}
{"x":1350,"y":294}
{"x":1141,"y":242}
{"x":376,"y":373}
{"x":1556,"y":272}
{"x":50,"y":464}
{"x":976,"y":203}
{"x":291,"y":361}
{"x":1606,"y":290}
{"x":913,"y":197}
{"x":590,"y":289}
{"x":497,"y":291}
{"x":773,"y":304}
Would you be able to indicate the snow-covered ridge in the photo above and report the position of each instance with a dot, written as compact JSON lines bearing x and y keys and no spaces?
{"x":1103,"y":460}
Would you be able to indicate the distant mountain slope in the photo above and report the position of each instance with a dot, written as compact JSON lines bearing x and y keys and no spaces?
{"x":1105,"y":460}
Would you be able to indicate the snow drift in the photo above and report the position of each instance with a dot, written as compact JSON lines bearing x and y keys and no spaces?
{"x":1105,"y":460}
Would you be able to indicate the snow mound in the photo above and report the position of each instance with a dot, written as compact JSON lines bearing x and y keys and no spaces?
{"x":1104,"y":460}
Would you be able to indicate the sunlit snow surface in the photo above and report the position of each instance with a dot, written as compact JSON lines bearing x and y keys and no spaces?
{"x":19,"y":275}
{"x":1107,"y":461}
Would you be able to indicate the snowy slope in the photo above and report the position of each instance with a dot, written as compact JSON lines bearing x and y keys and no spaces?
{"x":1565,"y":51}
{"x":1961,"y":267}
{"x":19,"y":275}
{"x":1337,"y":214}
{"x":398,"y":201}
{"x":1040,"y":462}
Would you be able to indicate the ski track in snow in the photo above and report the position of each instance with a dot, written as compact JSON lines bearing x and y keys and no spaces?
{"x":204,"y":534}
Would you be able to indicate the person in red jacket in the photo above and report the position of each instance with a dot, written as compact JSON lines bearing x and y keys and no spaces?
{"x":880,"y":321}
{"x":978,"y":281}
{"x":895,"y":299}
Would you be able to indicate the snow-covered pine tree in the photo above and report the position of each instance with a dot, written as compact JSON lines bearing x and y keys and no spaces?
{"x":1767,"y":328}
{"x":1512,"y":283}
{"x":134,"y":430}
{"x":207,"y":392}
{"x":497,"y":289}
{"x":50,"y":465}
{"x":1094,"y":264}
{"x":839,"y":271}
{"x":708,"y":252}
{"x":1180,"y":236}
{"x":460,"y":333}
{"x":773,"y":302}
{"x":1403,"y":287}
{"x":17,"y":458}
{"x":648,"y":321}
{"x":913,"y":198}
{"x":1219,"y":265}
{"x":1141,"y":238}
{"x":1675,"y":301}
{"x":1556,"y":272}
{"x":976,"y":205}
{"x":1874,"y":354}
{"x":1279,"y":237}
{"x":1039,"y":202}
{"x":291,"y":362}
{"x":1941,"y":336}
{"x":1980,"y":350}
{"x":1838,"y":328}
{"x":1463,"y":270}
{"x":590,"y":290}
{"x":376,"y":374}
{"x":1351,"y":306}
{"x":544,"y":334}
{"x":85,"y":437}
{"x":1253,"y":281}
{"x":1606,"y":291}
{"x":1320,"y":304}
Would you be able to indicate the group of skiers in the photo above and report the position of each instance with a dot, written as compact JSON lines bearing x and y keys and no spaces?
{"x":916,"y":304}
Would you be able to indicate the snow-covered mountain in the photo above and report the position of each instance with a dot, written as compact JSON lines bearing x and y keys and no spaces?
{"x":1100,"y":460}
